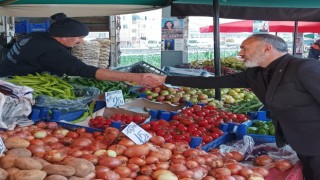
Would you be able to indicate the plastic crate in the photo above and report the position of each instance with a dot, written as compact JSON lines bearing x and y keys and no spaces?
{"x":215,"y":143}
{"x":74,"y":127}
{"x":186,"y":72}
{"x":38,"y":114}
{"x":258,"y":138}
{"x":140,"y":67}
{"x":25,"y":27}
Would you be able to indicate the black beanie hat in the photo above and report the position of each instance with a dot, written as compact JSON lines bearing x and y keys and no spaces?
{"x":67,"y":27}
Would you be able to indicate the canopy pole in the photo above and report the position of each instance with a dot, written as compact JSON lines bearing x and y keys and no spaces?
{"x":295,"y":34}
{"x":216,"y":47}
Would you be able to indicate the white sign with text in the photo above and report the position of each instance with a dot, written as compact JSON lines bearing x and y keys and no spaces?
{"x":136,"y":133}
{"x":114,"y":98}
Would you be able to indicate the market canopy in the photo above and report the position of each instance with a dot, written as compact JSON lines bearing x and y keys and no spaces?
{"x":274,"y":26}
{"x":272,"y":10}
{"x":77,"y":8}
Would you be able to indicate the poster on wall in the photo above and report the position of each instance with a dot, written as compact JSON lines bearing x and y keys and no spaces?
{"x":260,"y":27}
{"x":172,"y":33}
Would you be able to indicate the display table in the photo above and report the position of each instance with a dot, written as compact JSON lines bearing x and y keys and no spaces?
{"x":295,"y":173}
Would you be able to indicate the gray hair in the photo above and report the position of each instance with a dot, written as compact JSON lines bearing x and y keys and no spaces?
{"x":274,"y":40}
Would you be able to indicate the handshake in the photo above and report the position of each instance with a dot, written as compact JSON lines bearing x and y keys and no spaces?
{"x":151,"y":80}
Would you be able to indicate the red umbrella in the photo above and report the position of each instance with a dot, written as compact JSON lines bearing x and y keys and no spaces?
{"x":274,"y":26}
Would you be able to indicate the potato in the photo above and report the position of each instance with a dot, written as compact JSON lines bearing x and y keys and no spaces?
{"x":15,"y":142}
{"x":12,"y":170}
{"x":59,"y":170}
{"x":21,"y":152}
{"x":42,"y":161}
{"x":55,"y":177}
{"x":3,"y":174}
{"x":83,"y":167}
{"x":27,"y":163}
{"x":33,"y":174}
{"x":7,"y":161}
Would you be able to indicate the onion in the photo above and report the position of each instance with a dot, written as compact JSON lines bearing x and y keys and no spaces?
{"x":226,"y":177}
{"x":176,"y":168}
{"x":52,"y":125}
{"x":123,"y":159}
{"x":126,"y":142}
{"x":209,"y":178}
{"x":35,"y":148}
{"x":185,"y":174}
{"x":137,"y":151}
{"x":177,"y":156}
{"x":162,"y":154}
{"x":238,"y":156}
{"x":41,"y":125}
{"x":81,"y":142}
{"x":108,"y":175}
{"x":260,"y":170}
{"x":118,"y":148}
{"x":283,"y":165}
{"x":132,"y":175}
{"x":180,"y":147}
{"x":147,"y":169}
{"x":37,"y":141}
{"x":263,"y":160}
{"x":77,"y":153}
{"x":133,"y":167}
{"x":191,"y":153}
{"x":40,"y":134}
{"x":109,"y":162}
{"x":162,"y":165}
{"x":138,"y":161}
{"x":50,"y":139}
{"x":143,"y":177}
{"x":54,"y":156}
{"x":157,"y":140}
{"x":246,"y":172}
{"x":235,"y":168}
{"x":169,"y":146}
{"x":178,"y":161}
{"x":90,"y":157}
{"x":218,"y":172}
{"x":122,"y":171}
{"x":156,"y":173}
{"x":167,"y":176}
{"x":200,"y":160}
{"x":61,"y":131}
{"x":239,"y":177}
{"x":199,"y":173}
{"x":191,"y":164}
{"x":152,"y":160}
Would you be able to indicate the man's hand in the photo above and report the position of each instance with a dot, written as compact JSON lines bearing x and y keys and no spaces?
{"x":151,"y":80}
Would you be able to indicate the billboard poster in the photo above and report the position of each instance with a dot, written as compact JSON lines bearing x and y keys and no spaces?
{"x":172,"y":33}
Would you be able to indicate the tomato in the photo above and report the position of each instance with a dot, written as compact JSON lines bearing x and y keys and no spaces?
{"x":203,"y":123}
{"x":187,"y":122}
{"x":167,"y":137}
{"x":201,"y":113}
{"x":214,"y":135}
{"x":186,"y":111}
{"x":207,"y":139}
{"x":217,"y":130}
{"x":145,"y":126}
{"x":210,"y":107}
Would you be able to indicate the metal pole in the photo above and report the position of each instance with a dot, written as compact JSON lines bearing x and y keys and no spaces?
{"x":295,"y":34}
{"x":216,"y":47}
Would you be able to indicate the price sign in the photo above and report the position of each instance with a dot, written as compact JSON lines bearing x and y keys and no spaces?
{"x":2,"y":147}
{"x":136,"y":133}
{"x":114,"y":98}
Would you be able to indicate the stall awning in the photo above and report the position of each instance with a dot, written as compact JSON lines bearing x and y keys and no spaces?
{"x":274,"y":26}
{"x":77,"y":8}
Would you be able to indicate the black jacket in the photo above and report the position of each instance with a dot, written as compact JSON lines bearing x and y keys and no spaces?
{"x":292,"y":98}
{"x":39,"y":52}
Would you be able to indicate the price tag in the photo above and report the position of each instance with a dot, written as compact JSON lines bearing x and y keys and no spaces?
{"x":2,"y":147}
{"x":136,"y":133}
{"x":114,"y":98}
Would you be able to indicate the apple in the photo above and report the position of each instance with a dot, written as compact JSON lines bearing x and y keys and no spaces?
{"x":156,"y":89}
{"x":164,"y":92}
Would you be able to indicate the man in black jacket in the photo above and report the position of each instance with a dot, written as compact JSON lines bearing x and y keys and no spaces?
{"x":288,"y":86}
{"x":50,"y":52}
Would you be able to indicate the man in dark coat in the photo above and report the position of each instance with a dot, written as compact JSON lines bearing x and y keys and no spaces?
{"x":288,"y":86}
{"x":314,"y":51}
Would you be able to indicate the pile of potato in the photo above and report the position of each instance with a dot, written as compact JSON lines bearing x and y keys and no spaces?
{"x":18,"y":164}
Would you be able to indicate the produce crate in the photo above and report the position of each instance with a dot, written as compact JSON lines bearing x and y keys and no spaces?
{"x":186,"y":72}
{"x":74,"y":127}
{"x":25,"y":27}
{"x":258,"y":138}
{"x":140,"y":67}
{"x":38,"y":114}
{"x":215,"y":143}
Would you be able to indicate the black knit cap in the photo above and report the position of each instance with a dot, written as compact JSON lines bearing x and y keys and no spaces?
{"x":67,"y":27}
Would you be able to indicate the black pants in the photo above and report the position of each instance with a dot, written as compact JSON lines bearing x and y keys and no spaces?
{"x":311,"y":167}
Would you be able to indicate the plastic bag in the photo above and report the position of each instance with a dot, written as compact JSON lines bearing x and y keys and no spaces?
{"x":245,"y":146}
{"x":14,"y":111}
{"x":84,"y":95}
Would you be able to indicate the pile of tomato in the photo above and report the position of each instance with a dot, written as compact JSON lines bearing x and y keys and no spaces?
{"x":195,"y":121}
{"x":101,"y":122}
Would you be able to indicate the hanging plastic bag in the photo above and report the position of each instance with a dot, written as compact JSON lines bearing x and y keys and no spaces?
{"x":14,"y":111}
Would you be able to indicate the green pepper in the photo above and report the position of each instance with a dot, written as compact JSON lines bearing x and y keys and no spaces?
{"x":271,"y":130}
{"x":262,"y":131}
{"x":252,"y":130}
